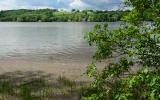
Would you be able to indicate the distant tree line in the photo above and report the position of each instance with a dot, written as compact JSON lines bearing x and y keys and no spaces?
{"x":53,"y":15}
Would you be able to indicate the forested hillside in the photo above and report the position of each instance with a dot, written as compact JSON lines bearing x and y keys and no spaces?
{"x":50,"y":15}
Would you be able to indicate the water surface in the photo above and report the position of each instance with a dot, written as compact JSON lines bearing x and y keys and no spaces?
{"x":20,"y":40}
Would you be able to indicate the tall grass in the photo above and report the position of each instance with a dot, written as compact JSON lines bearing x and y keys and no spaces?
{"x":40,"y":88}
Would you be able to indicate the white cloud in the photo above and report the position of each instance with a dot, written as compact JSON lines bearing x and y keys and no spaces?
{"x":121,"y":7}
{"x":34,"y":7}
{"x":15,"y":4}
{"x":59,"y":4}
{"x":78,"y":4}
{"x":115,"y":8}
{"x":103,"y":1}
{"x":7,"y":4}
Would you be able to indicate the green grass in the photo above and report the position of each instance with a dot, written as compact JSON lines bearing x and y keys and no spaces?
{"x":31,"y":86}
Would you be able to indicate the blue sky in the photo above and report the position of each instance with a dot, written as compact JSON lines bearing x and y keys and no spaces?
{"x":60,"y":4}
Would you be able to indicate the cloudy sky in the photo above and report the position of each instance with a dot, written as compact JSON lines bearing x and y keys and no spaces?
{"x":60,"y":4}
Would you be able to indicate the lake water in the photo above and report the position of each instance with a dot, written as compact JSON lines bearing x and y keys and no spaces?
{"x":19,"y":40}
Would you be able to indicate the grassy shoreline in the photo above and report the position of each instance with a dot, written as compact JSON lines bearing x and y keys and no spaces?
{"x":39,"y":86}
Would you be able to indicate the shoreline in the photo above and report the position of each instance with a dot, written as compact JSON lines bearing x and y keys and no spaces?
{"x":72,"y":68}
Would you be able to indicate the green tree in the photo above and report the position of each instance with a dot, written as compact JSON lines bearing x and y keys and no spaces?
{"x":49,"y":15}
{"x":131,"y":45}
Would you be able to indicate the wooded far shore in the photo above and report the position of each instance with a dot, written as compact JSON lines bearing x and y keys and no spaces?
{"x":54,"y":15}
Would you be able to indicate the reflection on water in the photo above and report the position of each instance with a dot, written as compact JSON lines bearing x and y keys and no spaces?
{"x":35,"y":39}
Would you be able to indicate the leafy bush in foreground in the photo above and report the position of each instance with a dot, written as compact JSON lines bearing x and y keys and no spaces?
{"x":131,"y":45}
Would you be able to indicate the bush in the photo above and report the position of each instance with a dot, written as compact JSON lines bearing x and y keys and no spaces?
{"x":131,"y":45}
